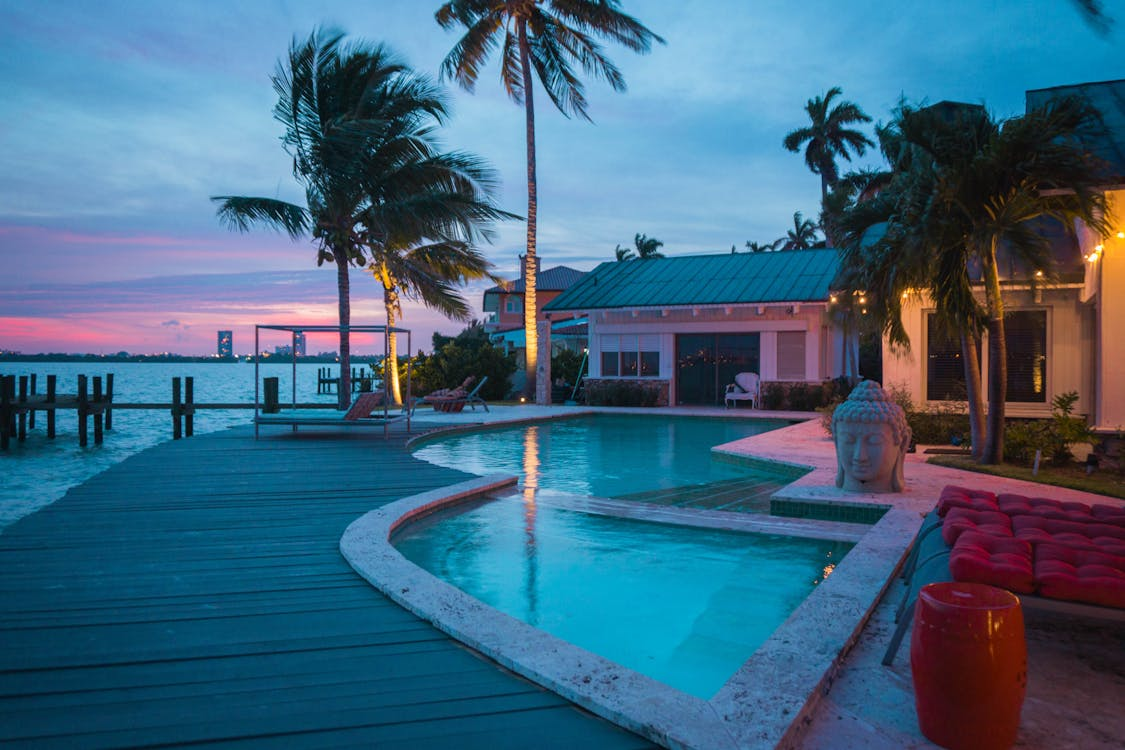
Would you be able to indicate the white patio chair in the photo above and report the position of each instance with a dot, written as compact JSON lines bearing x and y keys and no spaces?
{"x":744,"y":388}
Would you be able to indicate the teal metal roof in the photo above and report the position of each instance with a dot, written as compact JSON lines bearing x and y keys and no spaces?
{"x":734,"y":278}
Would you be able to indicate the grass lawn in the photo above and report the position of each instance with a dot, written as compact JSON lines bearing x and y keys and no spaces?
{"x":1073,"y":475}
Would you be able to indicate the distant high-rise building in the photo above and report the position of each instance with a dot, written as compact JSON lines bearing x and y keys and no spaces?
{"x":226,"y":344}
{"x":299,"y":343}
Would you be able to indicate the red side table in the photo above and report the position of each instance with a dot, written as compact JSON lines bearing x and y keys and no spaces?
{"x":968,"y":657}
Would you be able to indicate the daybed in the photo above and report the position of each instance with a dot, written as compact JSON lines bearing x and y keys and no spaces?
{"x":368,"y":410}
{"x":1058,"y":556}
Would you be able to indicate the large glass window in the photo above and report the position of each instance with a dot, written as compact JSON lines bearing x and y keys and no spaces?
{"x":631,"y":356}
{"x":1025,"y":332}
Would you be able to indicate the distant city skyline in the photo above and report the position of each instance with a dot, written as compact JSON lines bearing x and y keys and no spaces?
{"x":120,"y":120}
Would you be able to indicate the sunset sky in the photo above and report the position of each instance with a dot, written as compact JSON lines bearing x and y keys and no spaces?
{"x":118,"y":120}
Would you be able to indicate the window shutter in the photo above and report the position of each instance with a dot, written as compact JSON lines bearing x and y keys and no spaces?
{"x":791,"y":355}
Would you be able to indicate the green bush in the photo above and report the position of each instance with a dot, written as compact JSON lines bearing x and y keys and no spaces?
{"x":567,"y":364}
{"x":1063,"y":430}
{"x":1022,"y":438}
{"x":772,"y":395}
{"x":798,"y":396}
{"x":456,"y":358}
{"x":622,"y":393}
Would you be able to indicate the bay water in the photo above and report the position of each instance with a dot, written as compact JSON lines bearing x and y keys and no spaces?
{"x":38,"y":471}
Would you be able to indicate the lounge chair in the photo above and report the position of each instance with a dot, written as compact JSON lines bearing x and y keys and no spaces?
{"x":369,"y":409}
{"x":456,"y":399}
{"x":964,"y":526}
{"x":744,"y":388}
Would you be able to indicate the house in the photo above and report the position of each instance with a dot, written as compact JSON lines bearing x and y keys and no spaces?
{"x":1061,"y":337}
{"x":689,"y":324}
{"x":503,"y":304}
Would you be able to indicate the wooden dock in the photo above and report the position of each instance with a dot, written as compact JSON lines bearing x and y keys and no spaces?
{"x":195,"y":594}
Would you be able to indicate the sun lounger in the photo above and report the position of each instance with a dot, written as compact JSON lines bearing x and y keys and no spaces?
{"x":1057,"y":557}
{"x":368,"y":410}
{"x":455,"y":400}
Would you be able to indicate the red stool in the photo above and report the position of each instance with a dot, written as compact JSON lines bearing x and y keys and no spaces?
{"x":968,"y":658}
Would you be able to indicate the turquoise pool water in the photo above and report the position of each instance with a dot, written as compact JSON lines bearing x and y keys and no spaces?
{"x":686,"y":606}
{"x":605,"y":455}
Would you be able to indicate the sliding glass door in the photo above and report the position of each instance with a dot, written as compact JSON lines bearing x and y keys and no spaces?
{"x":707,"y":362}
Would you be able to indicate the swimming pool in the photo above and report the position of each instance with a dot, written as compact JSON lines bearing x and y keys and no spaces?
{"x":685,"y":606}
{"x":605,"y":455}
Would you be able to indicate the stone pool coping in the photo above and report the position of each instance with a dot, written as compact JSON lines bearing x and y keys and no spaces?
{"x":772,"y":699}
{"x":766,"y":703}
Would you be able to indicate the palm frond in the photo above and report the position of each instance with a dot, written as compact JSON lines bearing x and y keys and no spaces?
{"x":242,"y":214}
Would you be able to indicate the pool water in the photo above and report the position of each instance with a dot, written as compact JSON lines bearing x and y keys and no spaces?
{"x":604,"y":455}
{"x":683,"y":605}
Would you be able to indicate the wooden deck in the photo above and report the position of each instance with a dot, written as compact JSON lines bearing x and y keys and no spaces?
{"x":195,"y":594}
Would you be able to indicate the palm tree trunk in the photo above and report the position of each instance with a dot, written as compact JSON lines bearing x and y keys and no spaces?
{"x":530,"y":308}
{"x":390,"y":367}
{"x":343,"y":289}
{"x":970,"y":354}
{"x":997,"y":363}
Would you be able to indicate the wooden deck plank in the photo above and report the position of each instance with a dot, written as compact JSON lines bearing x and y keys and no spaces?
{"x":195,"y":594}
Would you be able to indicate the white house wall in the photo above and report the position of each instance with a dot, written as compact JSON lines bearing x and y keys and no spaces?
{"x":1070,"y":349}
{"x":1109,"y":332}
{"x":821,"y":360}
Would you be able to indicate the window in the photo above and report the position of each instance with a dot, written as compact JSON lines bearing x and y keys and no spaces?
{"x":945,"y":370}
{"x":1025,"y":333}
{"x":790,"y":355}
{"x":513,"y":305}
{"x":631,"y":356}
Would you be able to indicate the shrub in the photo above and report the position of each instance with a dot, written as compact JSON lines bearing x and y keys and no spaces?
{"x":1022,"y":438}
{"x":567,"y":364}
{"x":772,"y":395}
{"x":1063,"y":430}
{"x":622,"y":393}
{"x":798,"y":396}
{"x":456,"y":358}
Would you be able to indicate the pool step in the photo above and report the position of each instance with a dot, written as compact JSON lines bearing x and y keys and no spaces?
{"x":742,"y":495}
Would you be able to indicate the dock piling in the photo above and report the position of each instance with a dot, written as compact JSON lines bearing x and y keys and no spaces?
{"x":51,"y":382}
{"x":31,"y":413}
{"x":108,"y":401}
{"x":189,"y":406}
{"x":23,"y":414}
{"x":7,"y":415}
{"x":98,"y":415}
{"x":83,"y":410}
{"x":177,"y":426}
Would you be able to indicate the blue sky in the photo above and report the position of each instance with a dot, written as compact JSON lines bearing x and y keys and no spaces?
{"x":120,"y":119}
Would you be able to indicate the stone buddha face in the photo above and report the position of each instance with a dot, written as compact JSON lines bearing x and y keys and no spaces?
{"x":866,"y":451}
{"x":871,"y":438}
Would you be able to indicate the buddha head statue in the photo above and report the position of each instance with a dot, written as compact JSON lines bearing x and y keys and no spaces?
{"x":872,"y":437}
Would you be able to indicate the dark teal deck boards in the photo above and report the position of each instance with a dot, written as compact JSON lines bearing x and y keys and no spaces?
{"x":195,"y":594}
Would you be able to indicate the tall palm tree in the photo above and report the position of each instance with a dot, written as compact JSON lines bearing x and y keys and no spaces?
{"x":359,"y":125}
{"x":335,"y":103}
{"x":827,"y":136}
{"x":802,"y":236}
{"x":554,"y":37}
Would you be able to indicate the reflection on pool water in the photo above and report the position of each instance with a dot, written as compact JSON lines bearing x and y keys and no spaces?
{"x":686,"y":606}
{"x":604,"y":455}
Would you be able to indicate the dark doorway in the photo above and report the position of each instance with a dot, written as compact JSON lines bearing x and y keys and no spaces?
{"x":707,"y":362}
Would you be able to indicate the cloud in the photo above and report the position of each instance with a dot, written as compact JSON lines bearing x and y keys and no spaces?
{"x":171,"y":323}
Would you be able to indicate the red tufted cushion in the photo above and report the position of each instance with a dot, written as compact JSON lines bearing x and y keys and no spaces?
{"x":960,"y":497}
{"x":995,"y":560}
{"x":958,"y":520}
{"x":1080,"y":575}
{"x":1110,"y":514}
{"x":1018,"y":505}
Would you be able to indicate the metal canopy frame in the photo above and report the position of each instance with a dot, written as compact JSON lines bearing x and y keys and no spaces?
{"x":337,"y":329}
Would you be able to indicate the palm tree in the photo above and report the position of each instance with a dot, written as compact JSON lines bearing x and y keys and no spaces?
{"x":764,"y":247}
{"x":623,"y":253}
{"x":429,"y":273}
{"x":801,"y":237}
{"x":828,"y":136}
{"x":359,"y":125}
{"x":554,"y":37}
{"x":647,"y":247}
{"x":965,"y":186}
